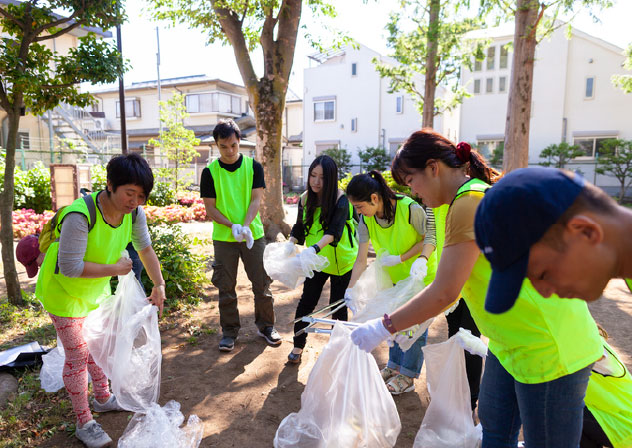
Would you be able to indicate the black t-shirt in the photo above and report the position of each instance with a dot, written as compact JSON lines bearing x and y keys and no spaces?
{"x":207,"y":186}
{"x":335,"y":228}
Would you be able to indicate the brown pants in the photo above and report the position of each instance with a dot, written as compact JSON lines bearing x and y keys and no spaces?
{"x":227,"y":256}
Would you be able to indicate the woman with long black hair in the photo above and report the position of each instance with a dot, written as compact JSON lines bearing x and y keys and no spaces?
{"x":398,"y":225}
{"x":325,"y":222}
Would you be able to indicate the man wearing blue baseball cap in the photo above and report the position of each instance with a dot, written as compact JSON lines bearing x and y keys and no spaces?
{"x":566,"y":235}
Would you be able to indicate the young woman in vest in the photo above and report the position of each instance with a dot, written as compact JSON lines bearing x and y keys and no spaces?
{"x":395,"y":224}
{"x":76,"y":273}
{"x":540,"y":352}
{"x":326,"y":224}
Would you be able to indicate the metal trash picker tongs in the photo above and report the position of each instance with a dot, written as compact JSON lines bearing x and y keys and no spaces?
{"x":328,"y":310}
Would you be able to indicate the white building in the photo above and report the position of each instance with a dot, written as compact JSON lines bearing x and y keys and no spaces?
{"x":573,"y":99}
{"x":347,"y":105}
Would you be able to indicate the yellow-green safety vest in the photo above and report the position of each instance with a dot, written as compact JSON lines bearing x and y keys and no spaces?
{"x":433,"y":261}
{"x":76,"y":297}
{"x":538,"y":339}
{"x":397,"y":239}
{"x":233,"y":195}
{"x":342,"y":256}
{"x":609,"y":399}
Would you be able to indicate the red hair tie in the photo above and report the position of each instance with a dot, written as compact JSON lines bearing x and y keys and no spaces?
{"x":463,"y":151}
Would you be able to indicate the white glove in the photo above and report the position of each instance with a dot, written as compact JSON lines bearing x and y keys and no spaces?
{"x":370,"y":334}
{"x":306,"y":254}
{"x":247,"y":235}
{"x":289,"y":248}
{"x":419,"y":268}
{"x":236,"y":229}
{"x":391,"y":260}
{"x":398,"y":338}
{"x":348,"y":301}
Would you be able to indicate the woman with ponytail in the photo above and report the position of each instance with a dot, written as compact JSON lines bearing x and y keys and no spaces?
{"x":326,"y":223}
{"x":540,"y":351}
{"x":401,"y":228}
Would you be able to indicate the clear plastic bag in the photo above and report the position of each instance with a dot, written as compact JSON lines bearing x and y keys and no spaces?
{"x":160,"y":427}
{"x":373,"y":280}
{"x":448,"y":420}
{"x":291,"y":270}
{"x":51,"y":376}
{"x":124,"y":340}
{"x":345,"y":403}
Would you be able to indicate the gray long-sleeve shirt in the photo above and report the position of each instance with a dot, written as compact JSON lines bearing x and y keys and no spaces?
{"x":73,"y":240}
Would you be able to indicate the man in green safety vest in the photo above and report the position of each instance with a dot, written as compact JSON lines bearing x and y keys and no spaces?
{"x":232,"y":189}
{"x":567,"y":236}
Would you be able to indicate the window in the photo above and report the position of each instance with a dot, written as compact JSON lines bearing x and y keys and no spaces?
{"x":502,"y":84}
{"x":213,"y":102}
{"x":132,"y":108}
{"x":491,"y":58}
{"x":323,"y":146}
{"x":489,"y":85}
{"x":477,"y":86}
{"x":488,"y":147}
{"x":478,"y":65}
{"x":24,"y":141}
{"x":504,"y":57}
{"x":399,"y":104}
{"x":325,"y":110}
{"x":591,"y":146}
{"x":354,"y":125}
{"x":354,"y":69}
{"x":590,"y":87}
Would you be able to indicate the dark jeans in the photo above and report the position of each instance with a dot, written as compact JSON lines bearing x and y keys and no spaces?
{"x":312,"y":288}
{"x":592,"y":434}
{"x":551,"y":413}
{"x":461,"y":318}
{"x":225,"y":279}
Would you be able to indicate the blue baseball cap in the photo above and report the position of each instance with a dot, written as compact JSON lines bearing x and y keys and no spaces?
{"x":515,"y":214}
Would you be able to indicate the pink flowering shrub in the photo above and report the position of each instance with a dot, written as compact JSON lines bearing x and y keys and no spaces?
{"x":188,"y":198}
{"x":291,"y":199}
{"x":27,"y":222}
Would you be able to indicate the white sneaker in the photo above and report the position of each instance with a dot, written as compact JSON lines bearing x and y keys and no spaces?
{"x":92,"y":435}
{"x":110,"y":405}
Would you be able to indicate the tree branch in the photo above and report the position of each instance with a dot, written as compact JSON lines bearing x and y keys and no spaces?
{"x":11,"y":17}
{"x":58,"y":86}
{"x":58,"y":22}
{"x":58,"y":33}
{"x":245,"y":12}
{"x":534,"y":29}
{"x":267,"y":42}
{"x":289,"y":19}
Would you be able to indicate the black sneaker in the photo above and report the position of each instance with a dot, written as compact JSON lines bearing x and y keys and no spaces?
{"x":271,"y":336}
{"x":227,"y":344}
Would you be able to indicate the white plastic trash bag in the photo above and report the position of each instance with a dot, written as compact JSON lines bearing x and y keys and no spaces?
{"x":373,"y":280}
{"x":51,"y":376}
{"x":345,"y":403}
{"x":160,"y":427}
{"x":124,"y":340}
{"x":448,"y":420}
{"x":291,"y":270}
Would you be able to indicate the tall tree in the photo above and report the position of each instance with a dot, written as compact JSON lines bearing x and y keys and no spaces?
{"x":436,"y":48}
{"x":273,"y":26}
{"x":531,"y":24}
{"x":34,"y":79}
{"x":558,"y":155}
{"x":615,"y":158}
{"x":625,"y":81}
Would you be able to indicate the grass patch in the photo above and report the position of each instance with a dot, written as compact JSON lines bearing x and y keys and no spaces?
{"x":22,"y":324}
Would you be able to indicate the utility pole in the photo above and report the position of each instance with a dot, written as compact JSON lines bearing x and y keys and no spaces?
{"x":119,"y":46}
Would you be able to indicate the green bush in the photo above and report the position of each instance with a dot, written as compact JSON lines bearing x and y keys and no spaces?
{"x":342,"y":157}
{"x":182,"y":270}
{"x":98,"y":174}
{"x":374,"y":159}
{"x":162,"y":194}
{"x":32,"y":189}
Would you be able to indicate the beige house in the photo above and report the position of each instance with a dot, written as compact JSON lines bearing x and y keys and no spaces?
{"x":293,"y":142}
{"x":65,"y":134}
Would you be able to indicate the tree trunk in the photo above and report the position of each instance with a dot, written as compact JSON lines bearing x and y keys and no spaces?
{"x":516,"y":154}
{"x":430,"y":82}
{"x":269,"y":116}
{"x":622,"y":192}
{"x":6,"y":213}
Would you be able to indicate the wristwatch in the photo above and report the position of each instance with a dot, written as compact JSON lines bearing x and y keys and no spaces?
{"x":316,"y":247}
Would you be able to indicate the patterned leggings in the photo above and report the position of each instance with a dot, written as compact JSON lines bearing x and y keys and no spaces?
{"x":78,"y":363}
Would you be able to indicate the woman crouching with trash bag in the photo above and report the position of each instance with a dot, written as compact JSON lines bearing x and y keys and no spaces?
{"x":76,"y":273}
{"x":398,"y":225}
{"x":326,"y":223}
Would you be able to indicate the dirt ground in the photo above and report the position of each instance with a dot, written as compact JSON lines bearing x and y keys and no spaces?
{"x":242,"y":396}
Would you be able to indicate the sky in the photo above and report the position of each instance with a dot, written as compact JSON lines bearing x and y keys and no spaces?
{"x":183,"y":52}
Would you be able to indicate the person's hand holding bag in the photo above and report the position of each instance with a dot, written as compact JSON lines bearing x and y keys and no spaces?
{"x":370,"y":334}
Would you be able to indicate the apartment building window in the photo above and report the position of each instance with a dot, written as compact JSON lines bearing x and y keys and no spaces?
{"x":323,"y":146}
{"x":590,"y":87}
{"x":399,"y":104}
{"x":478,"y":65}
{"x":491,"y":58}
{"x":489,"y":85}
{"x":325,"y":110}
{"x":591,"y":146}
{"x":477,"y":86}
{"x":354,"y":125}
{"x":213,"y":102}
{"x":502,"y":84}
{"x":504,"y":57}
{"x":488,"y":147}
{"x":132,"y":108}
{"x":24,"y":140}
{"x":354,"y":69}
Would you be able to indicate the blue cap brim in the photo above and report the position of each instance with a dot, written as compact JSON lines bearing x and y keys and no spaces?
{"x":505,"y":286}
